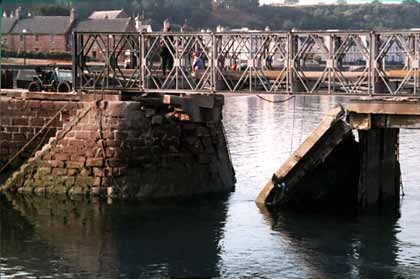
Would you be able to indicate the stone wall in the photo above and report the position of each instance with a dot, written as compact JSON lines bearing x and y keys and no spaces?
{"x":22,"y":116}
{"x":139,"y":148}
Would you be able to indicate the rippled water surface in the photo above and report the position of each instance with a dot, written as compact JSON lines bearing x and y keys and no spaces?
{"x":226,"y":237}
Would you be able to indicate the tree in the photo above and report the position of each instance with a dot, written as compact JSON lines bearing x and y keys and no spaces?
{"x":409,"y":2}
{"x":51,"y":10}
{"x":291,"y":2}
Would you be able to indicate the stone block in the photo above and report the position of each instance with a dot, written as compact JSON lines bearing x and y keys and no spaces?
{"x":56,"y":164}
{"x":75,"y":144}
{"x":110,"y":152}
{"x":76,"y":190}
{"x":44,"y":171}
{"x":97,"y":182}
{"x":59,"y":171}
{"x":83,"y":135}
{"x":22,"y":121}
{"x":113,"y":143}
{"x":69,"y":181}
{"x":98,"y":172}
{"x":114,"y":162}
{"x":84,"y":181}
{"x":39,"y":191}
{"x":72,"y":172}
{"x":61,"y":156}
{"x":5,"y":136}
{"x":25,"y":130}
{"x":57,"y":189}
{"x":18,"y":137}
{"x":77,"y":158}
{"x":36,"y":122}
{"x":75,"y":165}
{"x":25,"y":190}
{"x":157,"y":120}
{"x":86,"y":172}
{"x":94,"y":162}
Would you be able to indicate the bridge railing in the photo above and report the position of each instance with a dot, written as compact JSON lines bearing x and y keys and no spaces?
{"x":315,"y":62}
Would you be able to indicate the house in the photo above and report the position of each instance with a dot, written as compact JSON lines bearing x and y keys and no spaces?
{"x":110,"y":22}
{"x":116,"y":25}
{"x":7,"y":23}
{"x":108,"y":14}
{"x":38,"y":33}
{"x":48,"y":34}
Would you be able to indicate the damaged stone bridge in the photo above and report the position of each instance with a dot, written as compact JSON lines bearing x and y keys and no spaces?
{"x":350,"y":160}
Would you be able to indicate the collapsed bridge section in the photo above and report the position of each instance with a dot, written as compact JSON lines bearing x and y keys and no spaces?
{"x":331,"y":168}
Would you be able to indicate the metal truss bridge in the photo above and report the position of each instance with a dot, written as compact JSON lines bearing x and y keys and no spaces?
{"x":302,"y":62}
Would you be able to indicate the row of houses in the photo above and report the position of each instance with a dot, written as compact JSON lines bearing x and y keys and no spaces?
{"x":46,"y":34}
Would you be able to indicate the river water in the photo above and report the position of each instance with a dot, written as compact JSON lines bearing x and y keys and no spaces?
{"x":221,"y":236}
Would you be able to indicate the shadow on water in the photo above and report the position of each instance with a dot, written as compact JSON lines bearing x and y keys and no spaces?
{"x":84,"y":239}
{"x":342,"y":245}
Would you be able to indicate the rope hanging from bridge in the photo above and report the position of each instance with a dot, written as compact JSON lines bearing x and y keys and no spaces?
{"x":276,"y":102}
{"x":293,"y":127}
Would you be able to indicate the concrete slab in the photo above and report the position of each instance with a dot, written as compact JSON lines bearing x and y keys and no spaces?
{"x":309,"y":155}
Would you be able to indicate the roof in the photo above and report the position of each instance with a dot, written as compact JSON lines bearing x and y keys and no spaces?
{"x":108,"y":14}
{"x":43,"y":25}
{"x":7,"y":24}
{"x":105,"y":25}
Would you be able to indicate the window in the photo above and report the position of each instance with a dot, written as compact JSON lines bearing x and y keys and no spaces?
{"x":21,"y":38}
{"x":36,"y":38}
{"x":52,"y":39}
{"x":4,"y":40}
{"x":36,"y":49}
{"x":94,"y":54}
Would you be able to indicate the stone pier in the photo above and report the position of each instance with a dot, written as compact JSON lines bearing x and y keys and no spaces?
{"x":380,"y":175}
{"x":121,"y":145}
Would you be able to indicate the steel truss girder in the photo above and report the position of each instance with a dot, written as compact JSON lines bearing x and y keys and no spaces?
{"x":315,"y":62}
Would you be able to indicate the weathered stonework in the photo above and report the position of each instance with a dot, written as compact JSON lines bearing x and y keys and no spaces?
{"x":140,"y":148}
{"x":21,"y":118}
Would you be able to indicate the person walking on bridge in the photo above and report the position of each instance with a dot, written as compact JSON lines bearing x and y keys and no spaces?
{"x":166,"y":49}
{"x":197,"y":64}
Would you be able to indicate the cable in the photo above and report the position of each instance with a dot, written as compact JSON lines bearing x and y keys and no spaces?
{"x":275,"y":102}
{"x":303,"y":120}
{"x":293,"y":127}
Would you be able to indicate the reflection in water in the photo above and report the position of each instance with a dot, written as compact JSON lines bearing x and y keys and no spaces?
{"x":343,"y":246}
{"x":119,"y":240}
{"x":228,"y":237}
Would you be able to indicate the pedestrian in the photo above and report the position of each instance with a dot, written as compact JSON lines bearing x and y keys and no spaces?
{"x":166,"y":49}
{"x":197,"y":64}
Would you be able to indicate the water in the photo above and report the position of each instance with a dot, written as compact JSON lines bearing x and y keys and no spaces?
{"x":222,"y":236}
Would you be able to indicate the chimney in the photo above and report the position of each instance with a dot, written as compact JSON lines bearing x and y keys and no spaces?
{"x":139,"y":24}
{"x":18,"y":13}
{"x":73,"y":15}
{"x":166,"y":25}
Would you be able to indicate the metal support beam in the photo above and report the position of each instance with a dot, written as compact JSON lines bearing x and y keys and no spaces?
{"x":297,"y":62}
